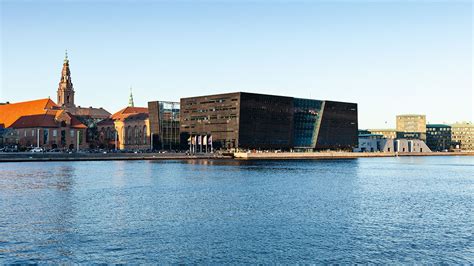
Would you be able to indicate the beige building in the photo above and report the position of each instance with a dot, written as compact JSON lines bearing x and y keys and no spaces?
{"x":127,"y":129}
{"x":463,"y":134}
{"x":386,"y":133}
{"x":411,"y":123}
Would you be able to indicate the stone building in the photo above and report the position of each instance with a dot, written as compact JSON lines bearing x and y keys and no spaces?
{"x":127,"y":129}
{"x":42,"y":123}
{"x":412,"y":123}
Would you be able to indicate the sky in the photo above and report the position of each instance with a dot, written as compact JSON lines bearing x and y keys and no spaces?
{"x":390,"y":57}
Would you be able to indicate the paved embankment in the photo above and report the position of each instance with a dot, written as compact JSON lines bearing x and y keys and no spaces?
{"x":338,"y":155}
{"x":44,"y":157}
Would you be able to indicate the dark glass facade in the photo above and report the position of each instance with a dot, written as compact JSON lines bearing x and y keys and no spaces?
{"x":266,"y":121}
{"x":257,"y":121}
{"x":307,"y":118}
{"x":164,"y":125}
{"x":438,"y":137}
{"x":339,"y":126}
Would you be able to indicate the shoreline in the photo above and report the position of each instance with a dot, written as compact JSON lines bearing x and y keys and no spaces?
{"x":339,"y":155}
{"x":60,"y":157}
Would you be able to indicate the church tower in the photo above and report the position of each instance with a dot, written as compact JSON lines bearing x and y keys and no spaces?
{"x":65,"y":89}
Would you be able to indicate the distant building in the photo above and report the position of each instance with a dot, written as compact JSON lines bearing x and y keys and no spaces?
{"x":127,"y":129}
{"x":164,"y":125}
{"x":42,"y":123}
{"x":256,"y":121}
{"x":410,"y":145}
{"x":463,"y":134}
{"x":386,"y":133}
{"x":438,"y":137}
{"x":374,"y":143}
{"x":412,"y":123}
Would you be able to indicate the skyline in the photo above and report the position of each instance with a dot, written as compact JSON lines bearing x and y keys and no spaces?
{"x":167,"y":51}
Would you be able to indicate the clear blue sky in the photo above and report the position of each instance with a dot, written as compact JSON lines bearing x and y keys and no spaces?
{"x":390,"y":57}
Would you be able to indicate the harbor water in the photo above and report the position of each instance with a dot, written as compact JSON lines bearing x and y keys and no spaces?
{"x":366,"y":210}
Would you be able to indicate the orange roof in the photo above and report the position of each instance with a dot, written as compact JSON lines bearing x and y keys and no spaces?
{"x":36,"y":113}
{"x":128,"y":112}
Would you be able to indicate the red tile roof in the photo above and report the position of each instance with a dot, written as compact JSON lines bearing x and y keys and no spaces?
{"x":36,"y":113}
{"x":129,"y":112}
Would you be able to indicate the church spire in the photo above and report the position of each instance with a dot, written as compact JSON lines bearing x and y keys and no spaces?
{"x":66,"y":60}
{"x":66,"y":89}
{"x":130,"y":100}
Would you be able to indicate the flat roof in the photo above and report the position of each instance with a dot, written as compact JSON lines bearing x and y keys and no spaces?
{"x":262,"y":94}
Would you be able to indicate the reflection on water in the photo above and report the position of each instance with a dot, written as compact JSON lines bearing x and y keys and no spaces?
{"x":378,"y":210}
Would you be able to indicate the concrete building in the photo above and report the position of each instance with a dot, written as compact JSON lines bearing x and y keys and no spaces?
{"x":463,"y":135}
{"x":164,"y":125}
{"x":438,"y":137}
{"x":412,"y":123}
{"x":42,"y":123}
{"x":374,"y":143}
{"x":413,"y":145}
{"x":256,"y":121}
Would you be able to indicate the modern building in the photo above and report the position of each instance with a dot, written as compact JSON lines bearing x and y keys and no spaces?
{"x":256,"y":121}
{"x":410,"y":145}
{"x":386,"y":133}
{"x":127,"y":129}
{"x":438,"y":137}
{"x":462,"y":134}
{"x":164,"y":125}
{"x":412,"y":123}
{"x":42,"y":123}
{"x":374,"y":143}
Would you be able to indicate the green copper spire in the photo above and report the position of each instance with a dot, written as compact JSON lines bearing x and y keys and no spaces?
{"x":66,"y":60}
{"x":130,"y":100}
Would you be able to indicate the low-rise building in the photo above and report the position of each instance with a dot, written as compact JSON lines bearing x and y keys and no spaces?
{"x":438,"y":137}
{"x":42,"y":123}
{"x":386,"y":133}
{"x":463,"y":134}
{"x":410,"y":145}
{"x":374,"y":143}
{"x":127,"y":129}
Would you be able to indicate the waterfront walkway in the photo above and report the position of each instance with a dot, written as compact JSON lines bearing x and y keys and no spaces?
{"x":44,"y":157}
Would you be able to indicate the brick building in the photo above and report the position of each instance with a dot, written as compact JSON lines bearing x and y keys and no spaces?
{"x":42,"y":123}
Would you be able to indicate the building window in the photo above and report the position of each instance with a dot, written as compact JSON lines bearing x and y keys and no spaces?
{"x":55,"y":133}
{"x":45,"y":136}
{"x":72,"y":133}
{"x":32,"y":132}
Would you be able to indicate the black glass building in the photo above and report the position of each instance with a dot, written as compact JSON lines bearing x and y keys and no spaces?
{"x":258,"y":121}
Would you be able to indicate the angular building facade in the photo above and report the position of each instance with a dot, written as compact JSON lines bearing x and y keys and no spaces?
{"x":164,"y":125}
{"x":257,"y":121}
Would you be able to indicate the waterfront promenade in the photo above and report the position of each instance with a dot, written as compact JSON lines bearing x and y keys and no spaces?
{"x":43,"y":157}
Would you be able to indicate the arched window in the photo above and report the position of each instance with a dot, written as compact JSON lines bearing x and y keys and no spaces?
{"x":136,"y":138}
{"x":144,"y":134}
{"x":129,"y":135}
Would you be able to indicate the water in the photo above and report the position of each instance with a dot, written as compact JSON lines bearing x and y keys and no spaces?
{"x":378,"y":210}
